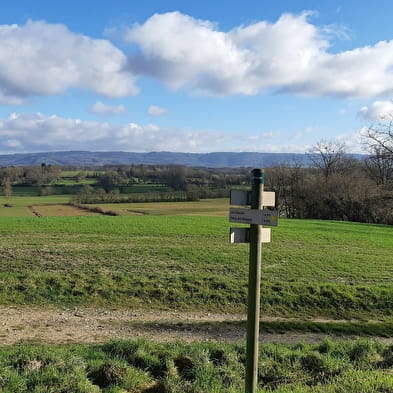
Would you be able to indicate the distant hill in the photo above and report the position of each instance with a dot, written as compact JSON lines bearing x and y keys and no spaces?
{"x":212,"y":160}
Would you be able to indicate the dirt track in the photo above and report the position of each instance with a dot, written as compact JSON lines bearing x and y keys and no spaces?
{"x":94,"y":326}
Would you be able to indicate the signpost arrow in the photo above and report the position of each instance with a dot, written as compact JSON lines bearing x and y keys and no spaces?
{"x":242,"y":235}
{"x":254,"y":216}
{"x":243,"y":197}
{"x":245,"y":216}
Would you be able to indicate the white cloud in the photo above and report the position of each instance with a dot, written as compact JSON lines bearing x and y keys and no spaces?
{"x":39,"y":132}
{"x":291,"y":55}
{"x":24,"y":132}
{"x":353,"y":141}
{"x":13,"y":143}
{"x":377,"y":111}
{"x":102,"y":109}
{"x":39,"y":58}
{"x":156,"y":110}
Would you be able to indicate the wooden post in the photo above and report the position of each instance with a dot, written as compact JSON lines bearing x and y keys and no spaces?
{"x":254,"y":285}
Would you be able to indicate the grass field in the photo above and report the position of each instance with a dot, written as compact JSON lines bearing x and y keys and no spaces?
{"x":142,"y":367}
{"x":311,"y":268}
{"x":318,"y":274}
{"x":72,"y":182}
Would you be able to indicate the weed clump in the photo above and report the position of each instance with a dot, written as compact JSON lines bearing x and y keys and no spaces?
{"x":185,"y":367}
{"x":107,"y":374}
{"x":387,"y":355}
{"x":147,"y":367}
{"x":156,"y":387}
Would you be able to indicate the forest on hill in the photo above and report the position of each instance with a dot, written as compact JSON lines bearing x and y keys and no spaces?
{"x":210,"y":160}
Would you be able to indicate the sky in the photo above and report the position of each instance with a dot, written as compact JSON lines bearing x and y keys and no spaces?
{"x":192,"y":76}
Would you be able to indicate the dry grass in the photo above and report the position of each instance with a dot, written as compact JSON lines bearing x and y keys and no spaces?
{"x":205,"y":207}
{"x":19,"y":205}
{"x":61,"y":211}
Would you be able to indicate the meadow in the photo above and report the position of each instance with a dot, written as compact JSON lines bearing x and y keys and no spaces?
{"x":317,"y":276}
{"x":337,"y":270}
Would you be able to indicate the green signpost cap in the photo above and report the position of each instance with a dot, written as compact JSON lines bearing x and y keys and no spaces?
{"x":258,"y":176}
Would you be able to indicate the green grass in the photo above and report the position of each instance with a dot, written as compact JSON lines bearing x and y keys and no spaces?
{"x":144,"y":188}
{"x":66,"y":187}
{"x":143,"y":367}
{"x":311,"y":268}
{"x":337,"y":328}
{"x":76,"y":173}
{"x":73,"y":182}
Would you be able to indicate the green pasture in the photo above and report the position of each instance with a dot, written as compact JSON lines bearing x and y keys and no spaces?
{"x":72,"y":182}
{"x":144,"y":367}
{"x":66,"y":187}
{"x":311,"y":269}
{"x":76,"y":173}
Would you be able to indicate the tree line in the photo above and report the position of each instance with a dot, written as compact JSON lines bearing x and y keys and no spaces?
{"x":337,"y":186}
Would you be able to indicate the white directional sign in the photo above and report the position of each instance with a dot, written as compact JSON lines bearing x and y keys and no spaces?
{"x":242,"y":198}
{"x":269,"y":199}
{"x":254,"y":216}
{"x":242,"y":235}
{"x":245,"y":216}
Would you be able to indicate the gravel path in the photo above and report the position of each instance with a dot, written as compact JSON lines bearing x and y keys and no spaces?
{"x":57,"y":326}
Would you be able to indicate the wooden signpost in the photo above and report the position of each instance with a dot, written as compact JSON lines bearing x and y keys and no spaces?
{"x":256,"y":216}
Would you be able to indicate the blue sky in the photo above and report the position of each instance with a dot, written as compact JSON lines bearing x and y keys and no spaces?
{"x":192,"y":76}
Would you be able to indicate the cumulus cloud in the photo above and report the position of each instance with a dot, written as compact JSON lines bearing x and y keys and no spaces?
{"x":102,"y":109}
{"x":24,"y":132}
{"x":36,"y":130}
{"x":377,"y":111}
{"x":290,"y":55}
{"x":353,"y":141}
{"x":39,"y":132}
{"x":156,"y":110}
{"x":39,"y":58}
{"x":13,"y":143}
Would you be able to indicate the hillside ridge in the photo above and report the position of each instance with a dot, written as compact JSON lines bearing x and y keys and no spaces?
{"x":214,"y":160}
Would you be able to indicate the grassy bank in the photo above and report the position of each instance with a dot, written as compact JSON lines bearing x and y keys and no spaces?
{"x":142,"y":367}
{"x":311,"y":268}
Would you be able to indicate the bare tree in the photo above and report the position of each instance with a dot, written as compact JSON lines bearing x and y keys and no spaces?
{"x":288,"y":181}
{"x":328,"y":156}
{"x":379,"y":137}
{"x":378,"y":166}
